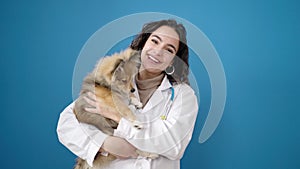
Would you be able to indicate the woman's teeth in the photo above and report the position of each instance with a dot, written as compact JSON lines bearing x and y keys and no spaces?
{"x":153,"y":59}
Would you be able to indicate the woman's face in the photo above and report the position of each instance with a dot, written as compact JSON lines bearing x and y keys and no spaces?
{"x":159,"y":50}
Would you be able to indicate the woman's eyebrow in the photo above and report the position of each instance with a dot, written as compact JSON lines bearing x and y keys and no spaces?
{"x":159,"y":38}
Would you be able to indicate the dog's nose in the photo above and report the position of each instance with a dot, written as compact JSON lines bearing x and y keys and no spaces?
{"x":132,"y":90}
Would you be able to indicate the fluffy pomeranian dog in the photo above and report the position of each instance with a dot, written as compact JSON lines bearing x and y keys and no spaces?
{"x":112,"y":83}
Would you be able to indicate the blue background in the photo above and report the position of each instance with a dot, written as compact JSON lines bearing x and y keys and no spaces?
{"x":257,"y":41}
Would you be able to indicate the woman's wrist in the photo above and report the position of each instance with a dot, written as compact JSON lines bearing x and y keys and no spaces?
{"x":118,"y":147}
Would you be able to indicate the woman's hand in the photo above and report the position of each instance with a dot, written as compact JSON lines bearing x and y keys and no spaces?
{"x":119,"y":147}
{"x":95,"y":107}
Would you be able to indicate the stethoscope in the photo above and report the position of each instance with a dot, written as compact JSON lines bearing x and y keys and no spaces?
{"x":169,"y":104}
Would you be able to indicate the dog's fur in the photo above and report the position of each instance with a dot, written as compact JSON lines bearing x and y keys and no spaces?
{"x":111,"y":82}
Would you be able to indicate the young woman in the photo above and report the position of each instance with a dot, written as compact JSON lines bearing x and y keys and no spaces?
{"x":168,"y":115}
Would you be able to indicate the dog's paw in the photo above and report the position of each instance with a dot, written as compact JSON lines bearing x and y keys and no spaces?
{"x":137,"y":125}
{"x":153,"y":156}
{"x":139,"y":105}
{"x":136,"y":102}
{"x":147,"y":154}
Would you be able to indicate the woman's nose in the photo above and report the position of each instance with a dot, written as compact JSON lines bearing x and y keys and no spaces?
{"x":157,"y":51}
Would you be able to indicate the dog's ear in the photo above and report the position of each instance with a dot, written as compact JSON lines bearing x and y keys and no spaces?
{"x":135,"y":58}
{"x":118,"y":65}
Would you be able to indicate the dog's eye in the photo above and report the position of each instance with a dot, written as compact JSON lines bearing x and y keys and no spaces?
{"x":124,"y":80}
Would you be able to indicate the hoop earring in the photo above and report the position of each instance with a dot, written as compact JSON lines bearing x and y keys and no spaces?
{"x":170,"y":70}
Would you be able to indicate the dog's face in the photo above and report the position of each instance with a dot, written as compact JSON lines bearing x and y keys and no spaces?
{"x":124,"y":73}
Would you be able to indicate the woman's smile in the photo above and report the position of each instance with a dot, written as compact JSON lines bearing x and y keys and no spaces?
{"x":153,"y":59}
{"x":159,"y":51}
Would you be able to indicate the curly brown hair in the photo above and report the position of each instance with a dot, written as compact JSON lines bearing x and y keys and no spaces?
{"x":180,"y":63}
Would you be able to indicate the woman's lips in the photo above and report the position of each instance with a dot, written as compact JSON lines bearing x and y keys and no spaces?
{"x":153,"y":59}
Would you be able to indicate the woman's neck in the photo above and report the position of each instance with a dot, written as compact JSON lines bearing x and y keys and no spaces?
{"x":143,"y":75}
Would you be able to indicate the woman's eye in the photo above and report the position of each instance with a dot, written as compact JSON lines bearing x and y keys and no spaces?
{"x":154,"y":41}
{"x":170,"y":50}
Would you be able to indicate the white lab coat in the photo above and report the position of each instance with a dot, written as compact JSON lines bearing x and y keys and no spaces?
{"x":167,"y":137}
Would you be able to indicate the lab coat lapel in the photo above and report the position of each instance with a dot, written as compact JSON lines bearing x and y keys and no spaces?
{"x":155,"y":99}
{"x":136,"y":93}
{"x":157,"y":96}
